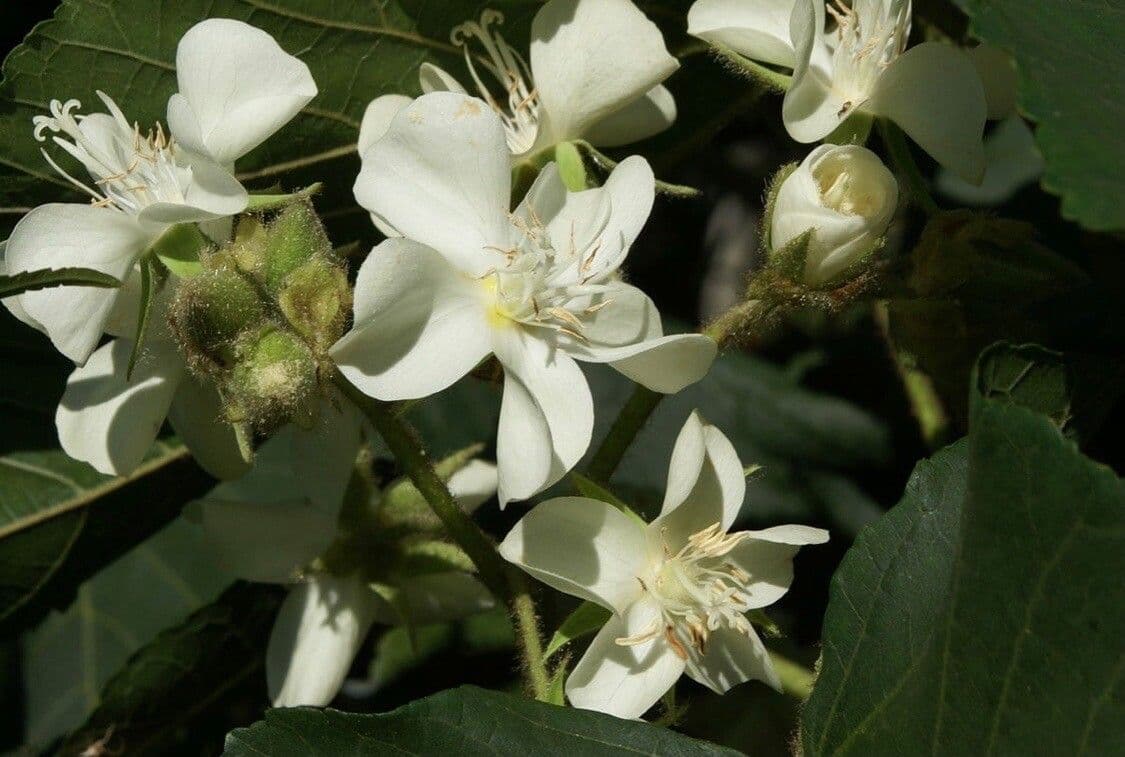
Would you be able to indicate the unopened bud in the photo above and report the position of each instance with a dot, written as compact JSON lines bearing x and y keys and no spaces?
{"x":274,"y":380}
{"x":316,"y":300}
{"x":846,"y":197}
{"x":291,"y":239}
{"x":210,"y":310}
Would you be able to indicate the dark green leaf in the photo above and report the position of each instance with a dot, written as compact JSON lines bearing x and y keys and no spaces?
{"x":464,"y":721}
{"x":149,"y":288}
{"x":1026,"y":375}
{"x":585,"y":620}
{"x":62,"y":522}
{"x":1071,"y":61}
{"x":150,"y":705}
{"x":71,"y":655}
{"x":984,"y":614}
{"x":53,"y":277}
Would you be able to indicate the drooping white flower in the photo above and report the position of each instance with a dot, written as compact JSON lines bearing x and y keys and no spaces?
{"x":264,"y":529}
{"x":595,"y":74}
{"x":237,"y":86}
{"x":538,"y":287}
{"x":932,"y":90}
{"x":679,"y":587}
{"x":847,"y":197}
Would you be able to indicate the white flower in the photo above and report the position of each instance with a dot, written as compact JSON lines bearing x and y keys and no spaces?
{"x":847,"y":197}
{"x":932,"y":91}
{"x":237,"y":86}
{"x":595,"y":74}
{"x":537,"y":287}
{"x":265,"y":527}
{"x":679,"y":587}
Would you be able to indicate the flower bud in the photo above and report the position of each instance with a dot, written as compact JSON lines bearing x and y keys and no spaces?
{"x":274,"y":379}
{"x":847,"y":197}
{"x":291,"y":239}
{"x":316,"y":300}
{"x":210,"y":310}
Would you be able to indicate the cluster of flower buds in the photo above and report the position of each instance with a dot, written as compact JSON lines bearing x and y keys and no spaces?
{"x":261,"y":315}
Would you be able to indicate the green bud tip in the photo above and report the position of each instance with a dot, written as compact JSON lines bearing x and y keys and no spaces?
{"x":274,"y":380}
{"x":316,"y":300}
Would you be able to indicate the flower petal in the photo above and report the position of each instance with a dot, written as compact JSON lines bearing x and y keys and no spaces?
{"x":546,"y":416}
{"x":997,"y":73}
{"x":237,"y":87}
{"x":768,"y":557}
{"x":212,"y":193}
{"x":474,"y":484}
{"x":441,"y":176}
{"x":649,"y":114}
{"x":196,"y":415}
{"x":62,"y":236}
{"x":262,"y":539}
{"x":15,"y":304}
{"x":318,"y":631}
{"x":377,"y":119}
{"x":812,"y":108}
{"x":583,"y":547}
{"x":109,"y":421}
{"x":627,"y":334}
{"x":759,"y":30}
{"x":933,"y":92}
{"x":435,"y":79}
{"x":731,"y":658}
{"x":706,"y":484}
{"x":323,"y":457}
{"x":590,"y":60}
{"x":625,"y":681}
{"x":1013,"y":161}
{"x":420,"y":324}
{"x":438,"y":597}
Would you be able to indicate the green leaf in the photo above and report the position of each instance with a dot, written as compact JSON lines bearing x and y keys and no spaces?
{"x":149,"y":288}
{"x":178,"y":249}
{"x":53,"y":277}
{"x":984,"y":614}
{"x":585,"y":620}
{"x":464,"y":721}
{"x":1026,"y":375}
{"x":1071,"y":60}
{"x":69,"y":657}
{"x":150,"y":705}
{"x":62,"y":522}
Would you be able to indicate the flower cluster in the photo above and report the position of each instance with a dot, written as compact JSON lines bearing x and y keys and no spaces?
{"x":239,"y":326}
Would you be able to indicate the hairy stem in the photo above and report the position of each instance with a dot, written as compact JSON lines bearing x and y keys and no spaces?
{"x":902,"y":159}
{"x":796,"y":680}
{"x":502,"y":580}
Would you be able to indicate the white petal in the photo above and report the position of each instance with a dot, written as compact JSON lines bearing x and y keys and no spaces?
{"x":317,"y":633}
{"x":420,"y":324}
{"x":212,"y":193}
{"x":441,"y":176}
{"x":811,"y":109}
{"x":237,"y":87}
{"x":110,"y":422}
{"x":632,"y":190}
{"x":474,"y":484}
{"x":583,"y":547}
{"x":546,"y":416}
{"x":591,"y":59}
{"x":15,"y":304}
{"x":732,"y":658}
{"x":438,"y":597}
{"x":768,"y":557}
{"x":706,"y":484}
{"x":196,"y":415}
{"x":62,"y":236}
{"x":627,"y":334}
{"x":624,"y":681}
{"x":324,"y":456}
{"x":262,"y":539}
{"x":997,"y":73}
{"x":933,"y":92}
{"x":758,"y":29}
{"x":649,"y":114}
{"x":1013,"y":161}
{"x":435,"y":79}
{"x":377,"y":119}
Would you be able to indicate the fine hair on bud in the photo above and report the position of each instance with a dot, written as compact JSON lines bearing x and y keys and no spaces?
{"x":316,"y":300}
{"x":274,"y":380}
{"x":211,"y":310}
{"x":291,"y":239}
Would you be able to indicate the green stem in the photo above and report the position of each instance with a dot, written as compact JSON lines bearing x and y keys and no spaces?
{"x":501,"y":579}
{"x":902,"y":159}
{"x":629,"y":422}
{"x":796,"y":680}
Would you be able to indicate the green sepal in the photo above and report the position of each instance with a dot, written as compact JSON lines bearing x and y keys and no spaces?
{"x":854,"y":130}
{"x":776,"y":181}
{"x":260,"y":202}
{"x":151,"y":283}
{"x":572,"y":168}
{"x":587,"y":618}
{"x":606,"y":164}
{"x":180,"y":248}
{"x":589,"y":488}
